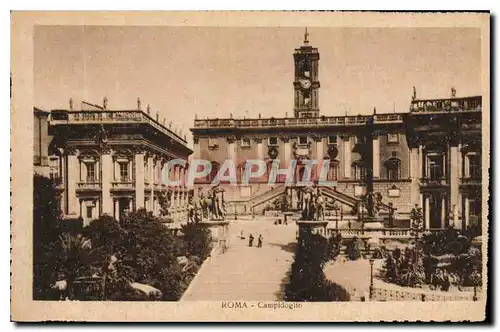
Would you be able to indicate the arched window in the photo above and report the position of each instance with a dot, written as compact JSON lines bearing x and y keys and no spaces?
{"x":393,"y":166}
{"x":358,"y":170}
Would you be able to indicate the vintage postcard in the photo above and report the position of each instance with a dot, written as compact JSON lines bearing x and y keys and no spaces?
{"x":250,"y":166}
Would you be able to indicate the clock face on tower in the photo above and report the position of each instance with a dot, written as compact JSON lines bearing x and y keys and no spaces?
{"x":305,"y":83}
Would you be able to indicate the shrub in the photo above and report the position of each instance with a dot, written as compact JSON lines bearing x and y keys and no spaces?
{"x":411,"y":276}
{"x":307,"y":282}
{"x":354,"y":248}
{"x":390,"y":268}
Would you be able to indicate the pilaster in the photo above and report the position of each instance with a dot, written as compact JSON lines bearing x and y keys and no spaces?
{"x":139,"y":179}
{"x":73,"y":178}
{"x":347,"y":155}
{"x":107,"y":178}
{"x":376,"y":156}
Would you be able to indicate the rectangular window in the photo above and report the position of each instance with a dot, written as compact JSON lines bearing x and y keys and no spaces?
{"x":474,"y":166}
{"x":90,"y":172}
{"x":332,"y":139}
{"x":359,"y":172}
{"x":124,"y":172}
{"x":245,"y":142}
{"x":302,"y":140}
{"x":393,"y":173}
{"x":273,"y":141}
{"x":392,"y":138}
{"x":54,"y":168}
{"x":436,"y":167}
{"x":333,"y":172}
{"x":89,"y":211}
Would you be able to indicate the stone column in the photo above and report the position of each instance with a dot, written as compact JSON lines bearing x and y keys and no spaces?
{"x":414,"y":169}
{"x":467,"y":212}
{"x":117,"y":210}
{"x":376,"y":156}
{"x":347,"y":156}
{"x":196,"y":147}
{"x":287,"y":150}
{"x":73,"y":178}
{"x":231,"y":148}
{"x":460,"y":161}
{"x":151,"y":165}
{"x":260,"y":148}
{"x":427,"y":218}
{"x":420,"y":161}
{"x":454,"y":175}
{"x":63,"y":181}
{"x":139,"y":179}
{"x":443,"y":211}
{"x":319,"y":156}
{"x":107,"y":177}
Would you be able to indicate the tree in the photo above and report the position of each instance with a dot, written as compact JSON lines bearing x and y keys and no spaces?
{"x":46,"y":231}
{"x":307,"y":282}
{"x":416,"y":230}
{"x":197,"y":240}
{"x":151,"y":254}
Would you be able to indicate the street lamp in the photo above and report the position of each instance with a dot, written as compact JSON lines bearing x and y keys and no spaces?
{"x":371,"y":260}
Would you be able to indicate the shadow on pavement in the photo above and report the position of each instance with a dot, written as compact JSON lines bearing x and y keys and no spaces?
{"x":289,"y":247}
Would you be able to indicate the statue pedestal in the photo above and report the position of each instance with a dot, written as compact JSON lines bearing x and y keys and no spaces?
{"x":286,"y":215}
{"x":219,"y":230}
{"x":314,"y":226}
{"x":373,"y":223}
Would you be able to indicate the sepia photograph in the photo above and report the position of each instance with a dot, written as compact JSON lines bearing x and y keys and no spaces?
{"x":254,"y":168}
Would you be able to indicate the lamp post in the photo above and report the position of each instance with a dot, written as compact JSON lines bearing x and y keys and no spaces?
{"x":371,"y":260}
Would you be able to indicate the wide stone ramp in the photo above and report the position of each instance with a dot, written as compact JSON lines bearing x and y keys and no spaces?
{"x":247,"y":273}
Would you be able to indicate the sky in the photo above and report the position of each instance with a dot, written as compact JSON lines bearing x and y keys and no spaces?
{"x":217,"y":71}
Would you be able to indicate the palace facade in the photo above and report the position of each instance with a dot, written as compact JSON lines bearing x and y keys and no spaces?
{"x":108,"y":161}
{"x":429,"y":156}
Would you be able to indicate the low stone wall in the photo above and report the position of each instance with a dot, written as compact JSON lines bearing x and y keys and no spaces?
{"x":381,"y":294}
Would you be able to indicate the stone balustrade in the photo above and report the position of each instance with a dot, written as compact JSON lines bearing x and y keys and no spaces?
{"x":298,"y":122}
{"x":111,"y":117}
{"x":447,"y":105}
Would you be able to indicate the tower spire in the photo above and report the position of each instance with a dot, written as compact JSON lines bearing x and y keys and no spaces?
{"x":306,"y":34}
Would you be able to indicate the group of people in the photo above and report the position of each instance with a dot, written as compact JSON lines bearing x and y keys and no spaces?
{"x":251,"y":238}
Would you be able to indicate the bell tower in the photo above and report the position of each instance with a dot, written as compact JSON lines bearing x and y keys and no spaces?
{"x":306,"y":84}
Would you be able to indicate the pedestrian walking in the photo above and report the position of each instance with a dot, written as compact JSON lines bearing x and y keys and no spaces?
{"x":241,"y":235}
{"x":250,"y":240}
{"x":259,"y":244}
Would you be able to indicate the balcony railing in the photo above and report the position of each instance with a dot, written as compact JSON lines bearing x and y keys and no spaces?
{"x":433,"y":181}
{"x":447,"y":105}
{"x":109,"y":116}
{"x":471,"y":181}
{"x":297,"y":122}
{"x":122,"y":185}
{"x":89,"y":186}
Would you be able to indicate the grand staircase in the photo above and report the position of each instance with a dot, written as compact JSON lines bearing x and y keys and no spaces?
{"x":339,"y":196}
{"x":266,"y":196}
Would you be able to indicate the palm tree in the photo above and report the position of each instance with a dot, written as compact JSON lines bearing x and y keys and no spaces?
{"x":75,"y":258}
